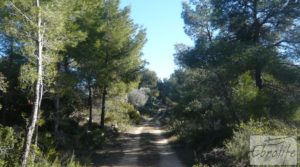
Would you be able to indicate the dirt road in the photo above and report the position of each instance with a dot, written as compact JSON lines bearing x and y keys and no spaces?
{"x":142,"y":146}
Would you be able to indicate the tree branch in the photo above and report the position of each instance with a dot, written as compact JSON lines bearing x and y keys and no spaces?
{"x":19,"y":11}
{"x":284,"y":41}
{"x":292,"y":65}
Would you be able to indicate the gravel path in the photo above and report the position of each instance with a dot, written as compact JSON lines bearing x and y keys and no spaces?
{"x":142,"y":146}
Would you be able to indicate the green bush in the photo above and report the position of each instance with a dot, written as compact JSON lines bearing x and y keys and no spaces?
{"x":134,"y":115}
{"x":10,"y":147}
{"x":238,"y":147}
{"x":200,"y":165}
{"x":3,"y":85}
{"x":122,"y":115}
{"x":59,"y":163}
{"x":250,"y":102}
{"x":92,"y":139}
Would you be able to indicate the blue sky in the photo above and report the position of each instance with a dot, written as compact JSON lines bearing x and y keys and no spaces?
{"x":162,"y":19}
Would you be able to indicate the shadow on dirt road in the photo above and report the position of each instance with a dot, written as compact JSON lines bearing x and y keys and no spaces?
{"x":142,"y":146}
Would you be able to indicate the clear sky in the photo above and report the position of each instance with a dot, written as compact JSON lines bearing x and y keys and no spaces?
{"x":162,"y":19}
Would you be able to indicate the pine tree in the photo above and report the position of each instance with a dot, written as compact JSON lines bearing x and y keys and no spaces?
{"x":121,"y":50}
{"x":86,"y":53}
{"x":111,"y":53}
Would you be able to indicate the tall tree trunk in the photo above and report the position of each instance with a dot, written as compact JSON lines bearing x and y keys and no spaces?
{"x":258,"y":79}
{"x":104,"y":93}
{"x":256,"y":38}
{"x":3,"y":110}
{"x":38,"y":92}
{"x":36,"y":136}
{"x":57,"y":113}
{"x":57,"y":97}
{"x":226,"y":94}
{"x":3,"y":116}
{"x":90,"y":106}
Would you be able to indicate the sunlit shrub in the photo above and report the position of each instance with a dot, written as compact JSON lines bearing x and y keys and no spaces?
{"x":70,"y":162}
{"x":200,"y":165}
{"x":122,"y":115}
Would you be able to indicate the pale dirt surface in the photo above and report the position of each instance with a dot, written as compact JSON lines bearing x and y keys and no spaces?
{"x":142,"y":146}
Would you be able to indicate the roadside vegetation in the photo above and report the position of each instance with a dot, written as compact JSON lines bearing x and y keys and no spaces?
{"x":240,"y":78}
{"x":66,"y":68}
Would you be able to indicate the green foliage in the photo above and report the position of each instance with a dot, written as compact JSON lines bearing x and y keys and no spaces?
{"x":200,"y":165}
{"x":92,"y":140}
{"x":3,"y":83}
{"x":85,"y":44}
{"x":248,"y":101}
{"x":3,"y":86}
{"x":58,"y":163}
{"x":109,"y":60}
{"x":149,"y":79}
{"x":134,"y":114}
{"x":243,"y":65}
{"x":122,"y":115}
{"x":10,"y":147}
{"x":296,"y":116}
{"x":58,"y":32}
{"x":113,"y":46}
{"x":73,"y":163}
{"x":245,"y":89}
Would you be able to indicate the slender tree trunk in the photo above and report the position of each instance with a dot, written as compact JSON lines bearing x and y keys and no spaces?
{"x":3,"y":110}
{"x":38,"y":93}
{"x":258,"y":80}
{"x":57,"y":108}
{"x":256,"y":37}
{"x":104,"y":93}
{"x":3,"y":116}
{"x":90,"y":106}
{"x":35,"y":139}
{"x":57,"y":101}
{"x":36,"y":136}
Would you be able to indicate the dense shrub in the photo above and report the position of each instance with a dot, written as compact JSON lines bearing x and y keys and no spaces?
{"x":200,"y":165}
{"x":236,"y":149}
{"x":92,"y":139}
{"x":122,"y":115}
{"x":3,"y":86}
{"x":134,"y":115}
{"x":59,"y":163}
{"x":10,"y":147}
